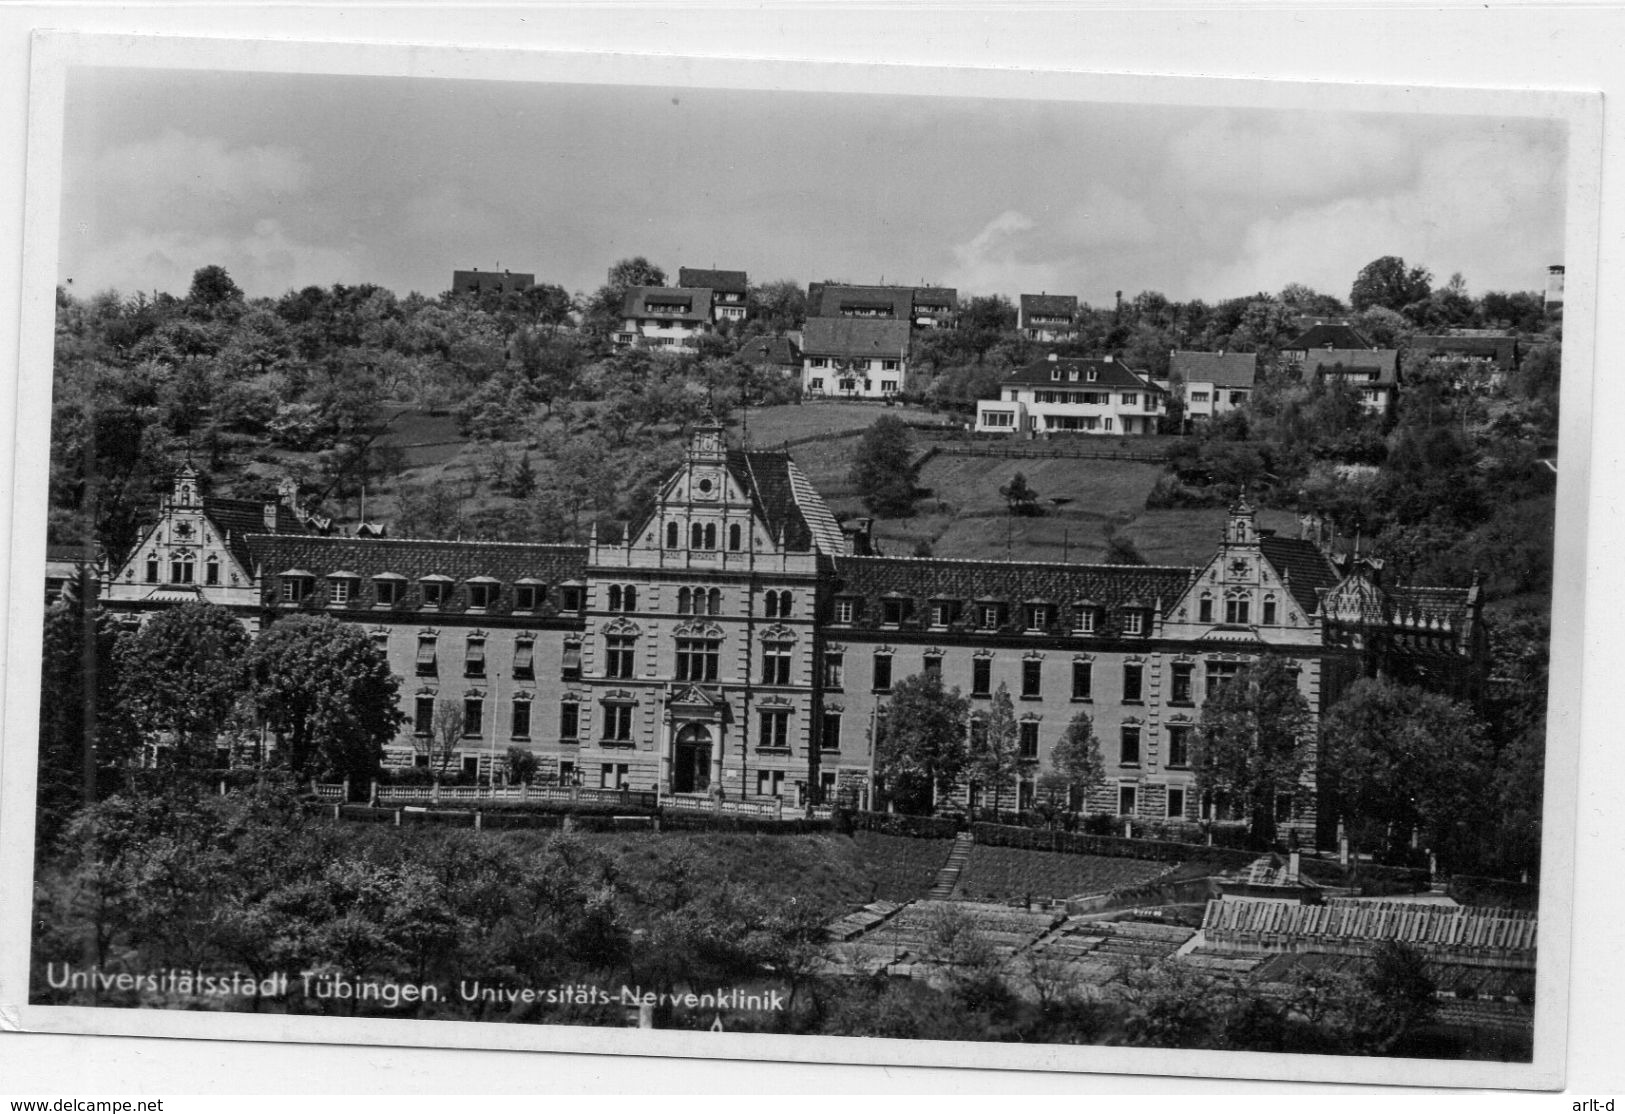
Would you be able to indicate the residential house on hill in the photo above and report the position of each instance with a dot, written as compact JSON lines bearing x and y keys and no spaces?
{"x":854,"y":357}
{"x":923,"y":307}
{"x":490,"y":282}
{"x":1048,"y":317}
{"x":1486,"y":357}
{"x":1325,"y":337}
{"x":1097,"y":395}
{"x":1374,"y":372}
{"x":1215,"y":382}
{"x":664,"y":316}
{"x":729,"y":290}
{"x":780,"y":353}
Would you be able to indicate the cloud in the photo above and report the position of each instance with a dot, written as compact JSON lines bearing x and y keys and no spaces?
{"x":1016,"y":253}
{"x":1290,"y":157}
{"x":264,"y":262}
{"x":1491,"y":209}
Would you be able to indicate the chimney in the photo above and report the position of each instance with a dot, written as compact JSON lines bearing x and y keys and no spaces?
{"x":269,"y":506}
{"x":1292,"y":868}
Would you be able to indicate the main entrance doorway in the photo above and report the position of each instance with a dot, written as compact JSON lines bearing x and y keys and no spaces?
{"x":691,"y":765}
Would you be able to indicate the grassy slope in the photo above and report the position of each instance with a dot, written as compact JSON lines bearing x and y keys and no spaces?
{"x":999,"y":873}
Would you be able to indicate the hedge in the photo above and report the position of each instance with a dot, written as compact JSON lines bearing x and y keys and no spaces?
{"x":901,"y":824}
{"x":1074,"y":843}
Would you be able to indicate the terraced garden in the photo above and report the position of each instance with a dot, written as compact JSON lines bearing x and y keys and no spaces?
{"x":1004,"y":873}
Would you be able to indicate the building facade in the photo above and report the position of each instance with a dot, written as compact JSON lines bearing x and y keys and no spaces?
{"x":1056,"y":395}
{"x":854,"y":357}
{"x":730,"y":291}
{"x":1048,"y":317}
{"x":664,"y":317}
{"x":739,"y":643}
{"x":1214,"y":382}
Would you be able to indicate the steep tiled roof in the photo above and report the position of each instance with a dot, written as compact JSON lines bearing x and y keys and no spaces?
{"x":1383,"y":361}
{"x":1328,"y":336}
{"x":1304,"y":566}
{"x":238,"y":518}
{"x":1222,"y":369}
{"x":697,"y":302}
{"x":936,"y":297}
{"x":1108,"y":373}
{"x":505,"y":562}
{"x":834,"y":299}
{"x":1503,"y":350}
{"x":1049,"y":305}
{"x":730,"y":282}
{"x":1011,"y":583}
{"x":1408,"y":606}
{"x":855,"y":338}
{"x":786,"y":500}
{"x":780,"y":351}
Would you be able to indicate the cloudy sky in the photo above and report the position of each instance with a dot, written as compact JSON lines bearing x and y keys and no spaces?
{"x":290,"y":180}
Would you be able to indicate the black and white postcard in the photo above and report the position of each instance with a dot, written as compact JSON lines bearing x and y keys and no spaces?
{"x":834,"y":563}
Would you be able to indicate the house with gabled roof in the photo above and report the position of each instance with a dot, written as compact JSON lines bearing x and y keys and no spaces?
{"x":1324,"y":336}
{"x":923,"y":307}
{"x":1482,"y":358}
{"x":1048,"y":317}
{"x":780,"y":353}
{"x":730,"y":290}
{"x":1069,"y":395}
{"x":664,"y":317}
{"x":1214,"y":382}
{"x":1373,"y":372}
{"x":854,"y":357}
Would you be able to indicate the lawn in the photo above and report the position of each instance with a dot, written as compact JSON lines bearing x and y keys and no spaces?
{"x":1001,"y":873}
{"x":771,"y":426}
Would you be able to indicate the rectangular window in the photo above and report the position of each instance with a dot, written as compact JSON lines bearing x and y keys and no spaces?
{"x":697,"y":659}
{"x":296,"y":588}
{"x":1130,"y":399}
{"x":1133,"y":622}
{"x":524,"y":659}
{"x":613,"y":775}
{"x":817,"y":383}
{"x":570,"y":663}
{"x":1083,"y":680}
{"x":473,"y":716}
{"x":895,"y":612}
{"x":1204,"y":610}
{"x":423,"y":716}
{"x":618,"y":723}
{"x":482,"y":595}
{"x":1125,"y":800}
{"x":941,"y":613}
{"x":1269,"y":611}
{"x":1128,"y":749}
{"x":981,"y":677}
{"x":521,"y":719}
{"x":882,"y":673}
{"x":933,"y":666}
{"x":1179,"y":745}
{"x":888,"y":365}
{"x":1029,"y":739}
{"x":769,"y":783}
{"x":1220,"y":673}
{"x":990,"y":616}
{"x":834,"y":670}
{"x":426,"y":656}
{"x":474,"y":658}
{"x":338,"y":591}
{"x":1132,"y":675}
{"x":618,"y":656}
{"x":1236,"y":611}
{"x":434,"y":593}
{"x":1176,"y":803}
{"x":211,"y":572}
{"x":570,"y":598}
{"x":526,"y":597}
{"x":569,"y":720}
{"x":1083,"y":619}
{"x":1032,"y":677}
{"x":1199,"y":396}
{"x":389,"y":591}
{"x":471,"y":764}
{"x":775,"y":664}
{"x":775,"y":731}
{"x":1037,"y":617}
{"x":152,"y":571}
{"x":1180,"y":690}
{"x":843,"y":611}
{"x":829,"y":735}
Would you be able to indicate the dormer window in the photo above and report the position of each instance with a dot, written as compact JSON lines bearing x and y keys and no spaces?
{"x":1055,"y":375}
{"x":435,"y":590}
{"x":896,"y":611}
{"x":297,"y":585}
{"x":1093,"y":376}
{"x":341,"y":588}
{"x":989,"y":614}
{"x":1037,"y":617}
{"x":1134,"y":621}
{"x":483,"y":592}
{"x":390,"y":588}
{"x":528,"y":595}
{"x":570,"y":597}
{"x":1083,"y":617}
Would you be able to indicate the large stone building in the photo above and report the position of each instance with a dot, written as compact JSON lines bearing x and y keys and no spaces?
{"x":740,"y":642}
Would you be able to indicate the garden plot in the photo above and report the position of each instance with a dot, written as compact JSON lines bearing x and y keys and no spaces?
{"x":1113,"y":943}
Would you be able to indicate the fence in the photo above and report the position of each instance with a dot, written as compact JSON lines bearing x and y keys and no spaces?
{"x":502,"y":794}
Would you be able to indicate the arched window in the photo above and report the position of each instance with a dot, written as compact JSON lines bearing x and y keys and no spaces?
{"x":630,"y":598}
{"x":714,"y":602}
{"x":734,"y":537}
{"x":1269,"y":610}
{"x":1204,"y":608}
{"x":685,"y":601}
{"x":180,"y":568}
{"x":671,"y":535}
{"x":696,"y":536}
{"x":211,"y":571}
{"x":711,"y":535}
{"x":614,"y":597}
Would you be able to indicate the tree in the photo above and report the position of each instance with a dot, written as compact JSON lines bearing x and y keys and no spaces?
{"x":522,"y":765}
{"x":211,"y":286}
{"x":994,"y":752}
{"x":1020,"y":498}
{"x":326,"y":691}
{"x":445,"y":735}
{"x":1388,"y":283}
{"x":1076,"y":766}
{"x":82,"y":729}
{"x":1398,"y":759}
{"x":1248,"y":749}
{"x":921,"y":745}
{"x":882,"y":468}
{"x":180,"y":675}
{"x":523,"y":484}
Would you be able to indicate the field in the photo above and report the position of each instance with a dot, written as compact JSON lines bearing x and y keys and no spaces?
{"x":771,"y":426}
{"x":1002,"y":873}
